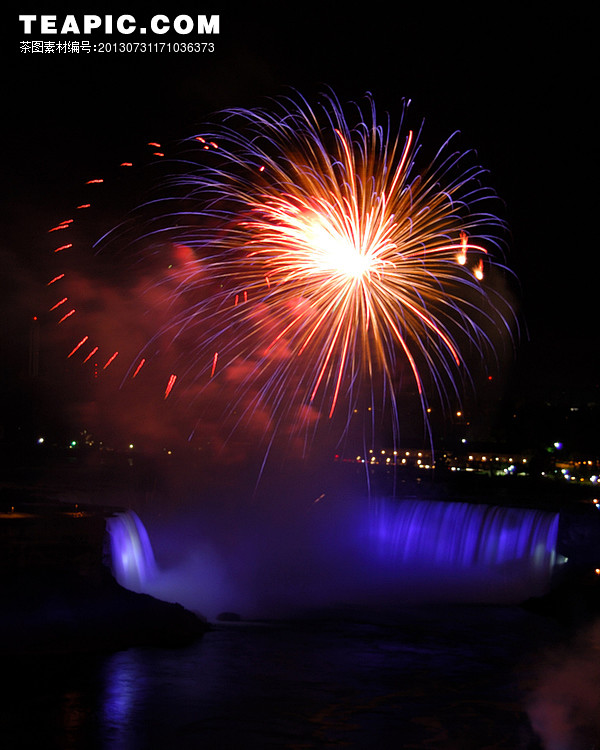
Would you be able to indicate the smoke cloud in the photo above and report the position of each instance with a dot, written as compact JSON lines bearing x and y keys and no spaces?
{"x":564,"y":704}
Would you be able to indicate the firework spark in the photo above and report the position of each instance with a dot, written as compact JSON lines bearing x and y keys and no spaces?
{"x":330,"y":256}
{"x":318,"y":257}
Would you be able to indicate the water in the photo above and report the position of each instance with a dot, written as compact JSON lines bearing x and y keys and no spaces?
{"x":131,"y":552}
{"x":451,"y":677}
{"x":466,"y":535}
{"x":475,"y":552}
{"x":361,"y":664}
{"x":365,"y":553}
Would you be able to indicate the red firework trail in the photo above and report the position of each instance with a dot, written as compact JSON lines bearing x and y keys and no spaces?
{"x":63,"y":225}
{"x":138,"y":368}
{"x":170,"y":385}
{"x":58,"y":304}
{"x":80,"y":344}
{"x":91,"y":354}
{"x":111,"y":360}
{"x":68,"y":315}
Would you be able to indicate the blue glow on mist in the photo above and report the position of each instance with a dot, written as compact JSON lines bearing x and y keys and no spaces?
{"x":371,"y":553}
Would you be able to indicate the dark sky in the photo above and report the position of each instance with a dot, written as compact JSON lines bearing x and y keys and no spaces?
{"x":518,"y":84}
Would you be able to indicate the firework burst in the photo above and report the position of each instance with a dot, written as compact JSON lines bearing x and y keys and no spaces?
{"x":318,"y":258}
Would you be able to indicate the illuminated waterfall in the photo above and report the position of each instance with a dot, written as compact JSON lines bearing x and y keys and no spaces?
{"x":469,"y":547}
{"x":391,"y":551}
{"x":132,"y":558}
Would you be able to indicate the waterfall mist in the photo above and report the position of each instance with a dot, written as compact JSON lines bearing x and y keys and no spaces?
{"x":292,"y":556}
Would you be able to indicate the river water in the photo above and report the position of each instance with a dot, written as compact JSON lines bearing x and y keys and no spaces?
{"x":448,"y":677}
{"x":399,"y":663}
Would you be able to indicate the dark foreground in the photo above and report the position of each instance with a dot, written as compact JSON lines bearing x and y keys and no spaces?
{"x":447,"y":677}
{"x":67,"y":617}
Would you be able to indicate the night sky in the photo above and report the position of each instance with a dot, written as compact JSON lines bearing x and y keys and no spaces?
{"x":518,"y":84}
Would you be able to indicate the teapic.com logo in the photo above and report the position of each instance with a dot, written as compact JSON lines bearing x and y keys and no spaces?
{"x":87,"y":25}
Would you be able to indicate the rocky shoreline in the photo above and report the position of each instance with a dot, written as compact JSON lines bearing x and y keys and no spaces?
{"x":61,"y":617}
{"x":58,"y":595}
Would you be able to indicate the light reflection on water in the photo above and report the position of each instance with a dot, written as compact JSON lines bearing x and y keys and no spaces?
{"x":123,"y":689}
{"x":440,"y":678}
{"x":449,"y":677}
{"x":444,"y":676}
